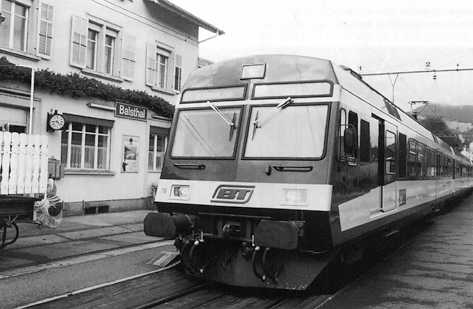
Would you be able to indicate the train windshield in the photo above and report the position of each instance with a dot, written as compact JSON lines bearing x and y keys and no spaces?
{"x":204,"y":133}
{"x":297,"y":131}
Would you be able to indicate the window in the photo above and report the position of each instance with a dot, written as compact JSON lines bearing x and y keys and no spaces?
{"x":296,"y":132}
{"x":109,"y":58}
{"x":178,"y":73}
{"x":163,"y":68}
{"x":402,"y":155}
{"x":45,"y":30}
{"x":85,"y":146}
{"x":353,"y":122}
{"x":14,"y":30}
{"x":412,"y":167}
{"x":293,"y":90}
{"x":392,"y":110}
{"x":343,"y":126}
{"x":214,"y":94}
{"x":390,"y":152}
{"x":203,"y":133}
{"x":92,"y":49}
{"x":128,"y":56}
{"x":94,"y":46}
{"x":157,"y":147}
{"x":364,"y":141}
{"x":162,"y":63}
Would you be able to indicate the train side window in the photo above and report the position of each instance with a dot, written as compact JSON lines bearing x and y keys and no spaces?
{"x":353,"y":121}
{"x":412,"y":159}
{"x":390,"y":152}
{"x":374,"y":139}
{"x":402,"y":155}
{"x":364,"y":141}
{"x":437,"y":164}
{"x":431,"y":167}
{"x":444,"y":165}
{"x":343,"y":125}
{"x":421,"y":164}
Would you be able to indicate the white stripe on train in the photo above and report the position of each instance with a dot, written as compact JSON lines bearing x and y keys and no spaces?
{"x":316,"y":197}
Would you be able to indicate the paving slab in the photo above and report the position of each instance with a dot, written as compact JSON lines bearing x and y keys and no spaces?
{"x":92,"y":233}
{"x":114,"y":218}
{"x":134,"y":238}
{"x":43,"y":254}
{"x":40,"y":240}
{"x":435,"y":270}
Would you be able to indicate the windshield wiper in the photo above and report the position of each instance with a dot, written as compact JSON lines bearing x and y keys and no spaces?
{"x":285,"y":104}
{"x":279,"y":107}
{"x":231,"y":123}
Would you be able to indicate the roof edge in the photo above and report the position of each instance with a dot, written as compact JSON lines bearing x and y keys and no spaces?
{"x":189,"y":16}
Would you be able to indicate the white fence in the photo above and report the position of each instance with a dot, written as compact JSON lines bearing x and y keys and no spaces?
{"x":23,"y":163}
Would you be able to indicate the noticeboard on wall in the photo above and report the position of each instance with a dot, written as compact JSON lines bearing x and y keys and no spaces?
{"x":130,"y":153}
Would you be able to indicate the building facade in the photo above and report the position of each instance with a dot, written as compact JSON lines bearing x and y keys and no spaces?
{"x":110,"y":151}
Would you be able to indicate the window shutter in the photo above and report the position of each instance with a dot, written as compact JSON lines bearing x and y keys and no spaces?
{"x":45,"y":34}
{"x":151,"y":64}
{"x":78,"y":41}
{"x":128,"y":56}
{"x":178,"y":73}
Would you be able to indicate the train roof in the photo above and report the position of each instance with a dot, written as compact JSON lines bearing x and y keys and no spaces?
{"x":278,"y":68}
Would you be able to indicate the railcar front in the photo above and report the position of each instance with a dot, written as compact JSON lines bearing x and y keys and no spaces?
{"x":245,"y":186}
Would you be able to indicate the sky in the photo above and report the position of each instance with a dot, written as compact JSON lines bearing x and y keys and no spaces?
{"x":379,"y":36}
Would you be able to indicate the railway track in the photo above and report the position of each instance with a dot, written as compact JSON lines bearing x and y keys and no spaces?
{"x":171,"y":288}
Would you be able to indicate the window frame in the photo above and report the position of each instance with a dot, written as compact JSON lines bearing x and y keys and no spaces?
{"x":395,"y":153}
{"x":242,"y":98}
{"x":103,"y":29}
{"x":97,"y":33}
{"x":69,"y":131}
{"x":11,"y":26}
{"x":237,"y":135}
{"x":155,"y":152}
{"x":165,"y":54}
{"x":327,"y":126}
{"x":109,"y":32}
{"x":320,"y":81}
{"x":46,"y":37}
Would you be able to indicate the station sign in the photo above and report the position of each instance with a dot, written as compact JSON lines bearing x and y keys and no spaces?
{"x":130,"y":111}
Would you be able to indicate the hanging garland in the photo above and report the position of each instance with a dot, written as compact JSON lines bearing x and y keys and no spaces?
{"x":78,"y":86}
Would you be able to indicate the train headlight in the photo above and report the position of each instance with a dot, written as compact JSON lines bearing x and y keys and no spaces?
{"x":294,"y":196}
{"x":180,"y":192}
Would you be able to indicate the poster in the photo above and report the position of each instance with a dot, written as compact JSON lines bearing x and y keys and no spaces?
{"x":130,"y":146}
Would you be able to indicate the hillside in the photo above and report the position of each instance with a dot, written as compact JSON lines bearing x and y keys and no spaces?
{"x":455,"y":113}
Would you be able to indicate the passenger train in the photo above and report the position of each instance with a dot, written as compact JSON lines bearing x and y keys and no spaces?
{"x":279,"y":164}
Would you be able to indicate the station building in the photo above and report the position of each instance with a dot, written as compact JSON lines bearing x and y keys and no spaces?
{"x":109,"y":151}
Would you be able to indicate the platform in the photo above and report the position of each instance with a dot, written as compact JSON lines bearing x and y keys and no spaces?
{"x":434,"y":270}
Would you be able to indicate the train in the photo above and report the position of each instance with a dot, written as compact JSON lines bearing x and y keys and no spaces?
{"x":278,"y":165}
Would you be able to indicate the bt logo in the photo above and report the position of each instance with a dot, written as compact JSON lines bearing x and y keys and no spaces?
{"x":232,"y":194}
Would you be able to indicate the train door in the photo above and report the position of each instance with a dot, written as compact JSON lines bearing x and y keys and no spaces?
{"x":384,"y":147}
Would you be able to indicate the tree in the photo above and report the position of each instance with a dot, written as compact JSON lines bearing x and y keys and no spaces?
{"x":438,"y":127}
